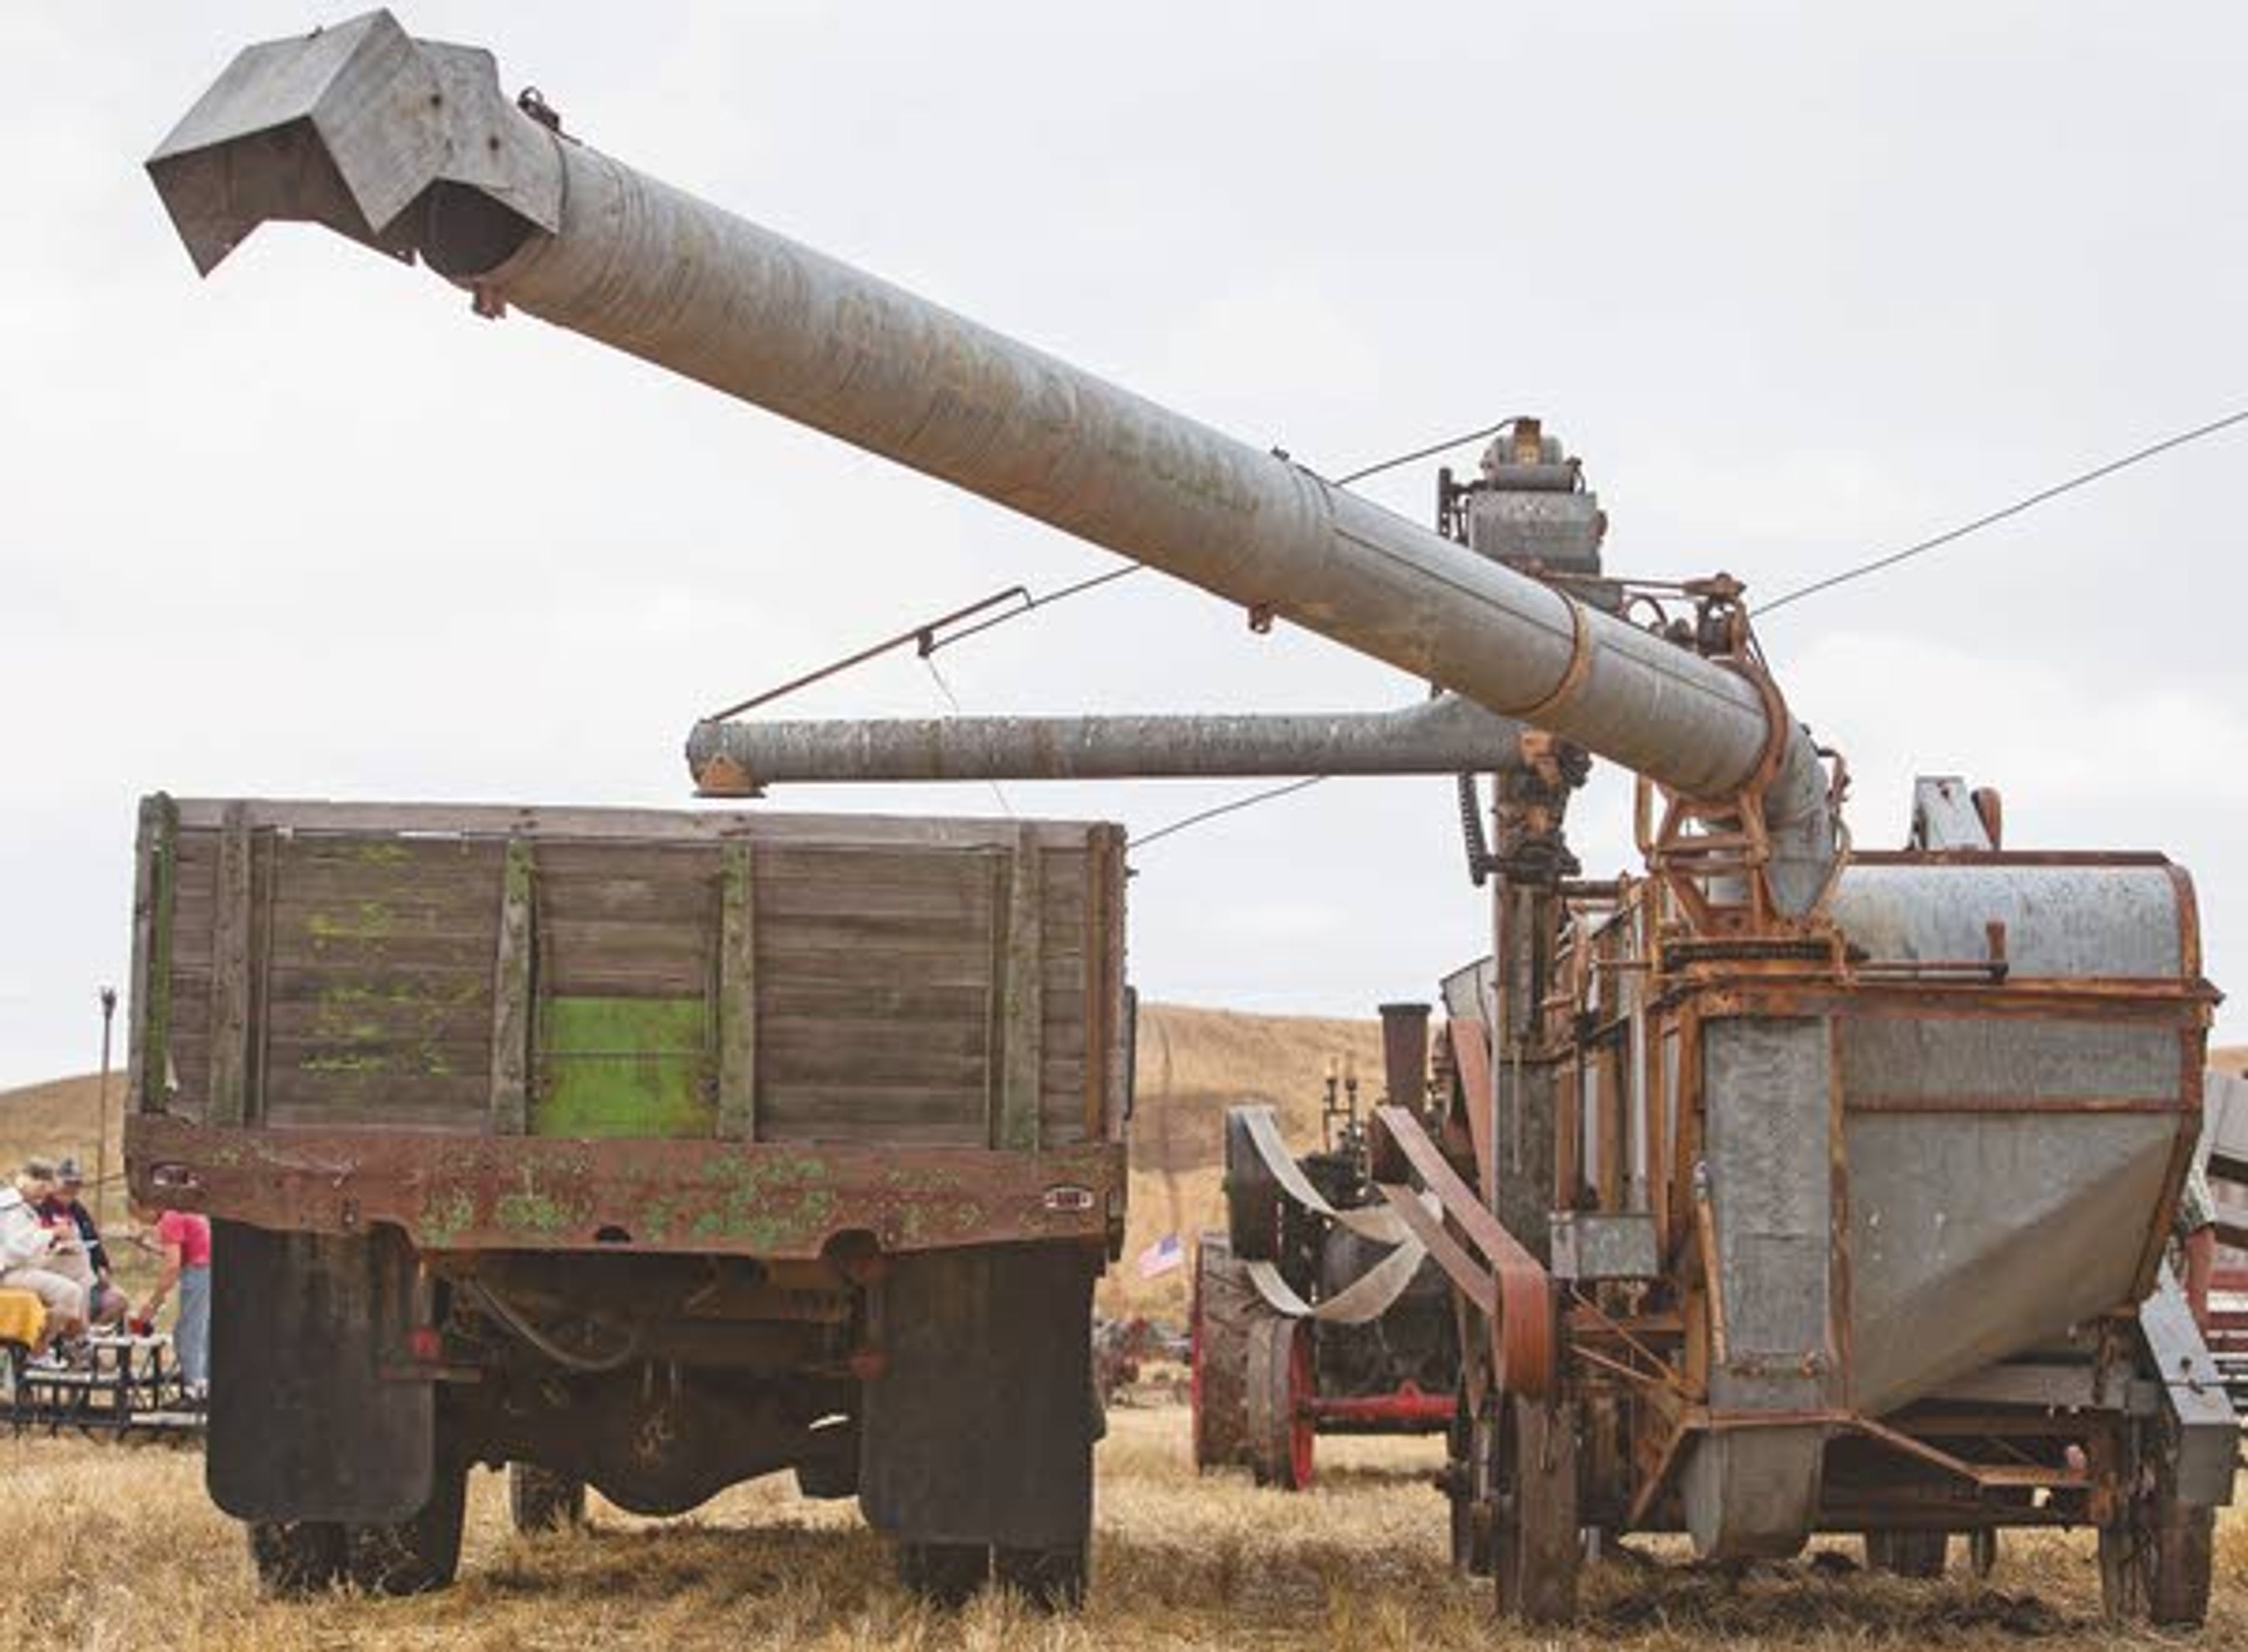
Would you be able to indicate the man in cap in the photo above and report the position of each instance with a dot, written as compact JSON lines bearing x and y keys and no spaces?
{"x":65,"y":1212}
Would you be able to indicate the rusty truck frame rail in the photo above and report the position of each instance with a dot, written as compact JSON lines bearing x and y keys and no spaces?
{"x":796,"y":1200}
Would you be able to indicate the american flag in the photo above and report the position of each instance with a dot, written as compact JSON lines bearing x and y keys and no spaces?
{"x":1162,"y":1257}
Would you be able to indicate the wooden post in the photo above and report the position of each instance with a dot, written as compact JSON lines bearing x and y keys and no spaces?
{"x":1022,"y":1012}
{"x":512,"y":992}
{"x":229,"y":1013}
{"x":737,"y":1009}
{"x":147,"y":1050}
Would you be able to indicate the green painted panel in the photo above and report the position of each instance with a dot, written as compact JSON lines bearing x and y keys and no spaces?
{"x":625,"y":1067}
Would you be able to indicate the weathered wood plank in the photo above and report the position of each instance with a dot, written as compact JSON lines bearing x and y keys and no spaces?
{"x":795,"y":1040}
{"x":828,"y":1062}
{"x":638,"y":827}
{"x":844,"y":929}
{"x":685,"y":901}
{"x":229,"y":1102}
{"x":873,"y":995}
{"x":293,"y":992}
{"x":512,"y":1008}
{"x":823,"y":1123}
{"x":454,"y":1105}
{"x":858,"y":973}
{"x":738,"y":1005}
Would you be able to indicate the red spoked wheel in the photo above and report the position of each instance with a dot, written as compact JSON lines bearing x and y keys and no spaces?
{"x":1281,"y":1389}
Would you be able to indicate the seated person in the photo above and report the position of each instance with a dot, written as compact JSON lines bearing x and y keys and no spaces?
{"x":64,"y":1212}
{"x":30,"y":1250}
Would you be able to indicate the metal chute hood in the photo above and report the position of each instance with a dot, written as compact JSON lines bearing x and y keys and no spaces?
{"x":364,"y":129}
{"x":410,"y":146}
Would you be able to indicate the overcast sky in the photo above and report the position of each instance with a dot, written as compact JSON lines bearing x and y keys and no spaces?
{"x":1798,"y":283}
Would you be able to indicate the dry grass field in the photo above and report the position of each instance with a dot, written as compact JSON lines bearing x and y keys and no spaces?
{"x":116,"y":1548}
{"x":112,"y":1548}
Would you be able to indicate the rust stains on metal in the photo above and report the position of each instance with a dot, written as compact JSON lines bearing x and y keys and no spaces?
{"x":679,"y":1196}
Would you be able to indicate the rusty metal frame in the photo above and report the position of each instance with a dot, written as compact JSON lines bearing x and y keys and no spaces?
{"x":677,"y":1196}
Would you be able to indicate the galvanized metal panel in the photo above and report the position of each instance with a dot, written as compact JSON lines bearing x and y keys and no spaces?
{"x":1996,"y":1060}
{"x":1976,"y":1236}
{"x":2081,"y":920}
{"x":1768,"y":1101}
{"x":1590,"y":1245}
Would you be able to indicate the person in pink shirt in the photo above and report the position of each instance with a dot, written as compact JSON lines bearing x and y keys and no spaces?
{"x":184,"y":1240}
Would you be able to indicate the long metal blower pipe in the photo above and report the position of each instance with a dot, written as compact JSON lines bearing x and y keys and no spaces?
{"x":1443,"y":736}
{"x":410,"y":147}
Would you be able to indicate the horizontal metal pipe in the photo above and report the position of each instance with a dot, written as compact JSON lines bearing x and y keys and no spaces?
{"x":409,"y":146}
{"x":1443,"y":736}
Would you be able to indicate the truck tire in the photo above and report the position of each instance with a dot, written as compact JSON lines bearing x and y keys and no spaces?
{"x":541,"y":1500}
{"x":1224,"y":1301}
{"x":1281,"y":1432}
{"x":416,"y":1555}
{"x":1906,"y":1554}
{"x":295,"y":1558}
{"x":944,"y":1574}
{"x":976,"y":1430}
{"x":824,"y":1479}
{"x":1050,"y":1580}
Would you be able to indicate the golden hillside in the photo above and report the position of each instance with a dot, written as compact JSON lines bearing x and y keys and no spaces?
{"x":1193,"y":1064}
{"x":47,"y":1121}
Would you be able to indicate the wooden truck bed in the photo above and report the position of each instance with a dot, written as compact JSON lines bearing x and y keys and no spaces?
{"x":569,"y":1026}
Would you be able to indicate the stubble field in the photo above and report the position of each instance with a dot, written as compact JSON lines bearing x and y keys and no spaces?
{"x":111,"y":1547}
{"x":106,"y":1546}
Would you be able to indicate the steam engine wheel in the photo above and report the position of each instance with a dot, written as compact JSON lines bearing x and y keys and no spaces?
{"x":1224,"y":1303}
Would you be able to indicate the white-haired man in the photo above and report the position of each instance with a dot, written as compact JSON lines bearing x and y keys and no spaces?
{"x":27,"y":1247}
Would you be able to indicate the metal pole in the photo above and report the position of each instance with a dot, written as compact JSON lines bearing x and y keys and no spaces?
{"x":1443,"y":736}
{"x":102,"y":1111}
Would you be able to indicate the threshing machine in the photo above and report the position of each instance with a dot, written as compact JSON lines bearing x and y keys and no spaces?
{"x":1782,"y":1188}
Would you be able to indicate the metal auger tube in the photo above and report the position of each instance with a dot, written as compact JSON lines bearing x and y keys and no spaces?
{"x":410,"y":147}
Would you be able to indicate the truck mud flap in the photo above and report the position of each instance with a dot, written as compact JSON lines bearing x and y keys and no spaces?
{"x":303,"y":1425}
{"x":979,"y":1424}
